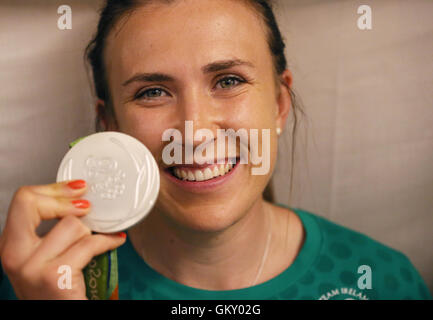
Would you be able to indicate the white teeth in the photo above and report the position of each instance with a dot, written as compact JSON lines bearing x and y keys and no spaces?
{"x":190,"y":176}
{"x":205,"y":174}
{"x":227,"y":168}
{"x":199,"y":175}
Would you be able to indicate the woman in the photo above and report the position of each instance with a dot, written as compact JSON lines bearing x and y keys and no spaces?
{"x":220,"y":64}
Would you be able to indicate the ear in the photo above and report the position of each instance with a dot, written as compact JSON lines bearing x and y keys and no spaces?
{"x":104,"y":116}
{"x":284,"y":103}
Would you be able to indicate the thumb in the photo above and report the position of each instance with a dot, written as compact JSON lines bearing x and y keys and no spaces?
{"x":82,"y":252}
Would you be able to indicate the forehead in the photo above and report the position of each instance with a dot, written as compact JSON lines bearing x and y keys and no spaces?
{"x":199,"y":31}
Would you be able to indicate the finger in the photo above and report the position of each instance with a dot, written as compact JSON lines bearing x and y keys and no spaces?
{"x":79,"y":255}
{"x":69,"y":188}
{"x":28,"y":209}
{"x":65,"y":233}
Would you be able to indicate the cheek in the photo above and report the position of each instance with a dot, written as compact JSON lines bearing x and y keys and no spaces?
{"x":248,"y":114}
{"x":262,"y":118}
{"x":258,"y":116}
{"x":143,"y":126}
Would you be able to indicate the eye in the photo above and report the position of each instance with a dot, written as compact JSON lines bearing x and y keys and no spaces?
{"x":228,"y":82}
{"x":150,"y":93}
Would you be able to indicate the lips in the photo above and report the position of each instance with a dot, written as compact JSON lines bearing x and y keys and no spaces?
{"x":204,"y":186}
{"x":198,"y":173}
{"x":207,"y":173}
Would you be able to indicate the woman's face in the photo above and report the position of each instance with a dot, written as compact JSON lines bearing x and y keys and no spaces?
{"x":186,"y":42}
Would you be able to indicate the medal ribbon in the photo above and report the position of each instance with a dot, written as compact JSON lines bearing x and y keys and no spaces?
{"x":101,"y":274}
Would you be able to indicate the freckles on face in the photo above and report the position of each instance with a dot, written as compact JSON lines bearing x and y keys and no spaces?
{"x":178,"y":40}
{"x":144,"y":126}
{"x":174,"y":43}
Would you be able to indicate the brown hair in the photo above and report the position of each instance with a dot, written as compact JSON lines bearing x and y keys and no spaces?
{"x":114,"y":10}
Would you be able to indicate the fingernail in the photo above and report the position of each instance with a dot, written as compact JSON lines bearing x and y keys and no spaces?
{"x":121,"y":234}
{"x":81,"y":204}
{"x":77,"y":184}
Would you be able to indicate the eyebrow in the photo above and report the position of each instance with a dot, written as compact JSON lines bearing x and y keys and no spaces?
{"x":209,"y":68}
{"x":225,"y":64}
{"x":149,"y":77}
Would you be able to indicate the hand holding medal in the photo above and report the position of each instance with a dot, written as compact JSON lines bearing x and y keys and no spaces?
{"x":123,"y":181}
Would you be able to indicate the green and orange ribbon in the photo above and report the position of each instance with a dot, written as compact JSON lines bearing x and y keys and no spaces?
{"x":101,"y":274}
{"x":101,"y":277}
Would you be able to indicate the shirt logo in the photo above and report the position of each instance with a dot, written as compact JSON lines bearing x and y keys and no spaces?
{"x":344,"y":293}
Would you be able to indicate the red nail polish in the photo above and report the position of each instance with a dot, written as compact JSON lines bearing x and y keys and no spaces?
{"x":81,"y":204}
{"x":77,"y":184}
{"x":121,"y":234}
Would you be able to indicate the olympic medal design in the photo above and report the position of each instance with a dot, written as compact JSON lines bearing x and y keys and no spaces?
{"x":122,"y":177}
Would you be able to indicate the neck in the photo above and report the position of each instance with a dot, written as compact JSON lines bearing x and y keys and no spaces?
{"x":224,"y":260}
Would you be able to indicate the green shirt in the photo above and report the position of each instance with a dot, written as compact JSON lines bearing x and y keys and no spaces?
{"x":333,"y":263}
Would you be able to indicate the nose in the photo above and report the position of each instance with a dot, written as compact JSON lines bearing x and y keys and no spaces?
{"x":197,"y":111}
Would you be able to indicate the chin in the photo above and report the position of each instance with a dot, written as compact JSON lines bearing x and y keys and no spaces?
{"x":204,"y":221}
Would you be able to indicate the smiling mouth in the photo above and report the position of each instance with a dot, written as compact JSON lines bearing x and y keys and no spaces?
{"x":201,"y":173}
